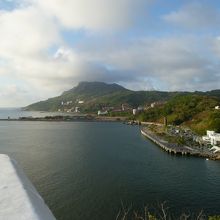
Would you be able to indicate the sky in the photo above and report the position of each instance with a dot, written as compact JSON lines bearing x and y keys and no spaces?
{"x":48,"y":46}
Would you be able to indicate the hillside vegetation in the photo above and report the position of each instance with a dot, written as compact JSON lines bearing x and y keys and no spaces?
{"x":98,"y":94}
{"x":195,"y":111}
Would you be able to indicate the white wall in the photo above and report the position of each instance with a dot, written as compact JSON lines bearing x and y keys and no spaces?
{"x":19,"y":200}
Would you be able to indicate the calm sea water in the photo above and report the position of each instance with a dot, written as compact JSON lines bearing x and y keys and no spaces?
{"x":15,"y":113}
{"x":84,"y":170}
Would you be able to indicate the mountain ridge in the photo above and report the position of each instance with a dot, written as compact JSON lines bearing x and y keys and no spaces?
{"x":96,"y":95}
{"x":89,"y":87}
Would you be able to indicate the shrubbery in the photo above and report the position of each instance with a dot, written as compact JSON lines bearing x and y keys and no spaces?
{"x":196,"y":110}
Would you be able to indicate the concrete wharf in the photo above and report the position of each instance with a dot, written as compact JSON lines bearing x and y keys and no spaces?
{"x":174,"y":148}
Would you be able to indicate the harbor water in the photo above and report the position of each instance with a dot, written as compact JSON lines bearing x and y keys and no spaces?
{"x":86,"y":170}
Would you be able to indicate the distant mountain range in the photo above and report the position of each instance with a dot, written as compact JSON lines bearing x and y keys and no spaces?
{"x":92,"y":96}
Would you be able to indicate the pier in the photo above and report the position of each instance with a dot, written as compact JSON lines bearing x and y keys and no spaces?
{"x":174,"y":148}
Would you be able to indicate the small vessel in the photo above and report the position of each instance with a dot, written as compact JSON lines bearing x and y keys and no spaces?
{"x":207,"y":158}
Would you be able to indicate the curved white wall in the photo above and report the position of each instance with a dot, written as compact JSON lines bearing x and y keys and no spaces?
{"x":18,"y":197}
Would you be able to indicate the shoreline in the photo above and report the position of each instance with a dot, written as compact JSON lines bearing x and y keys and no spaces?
{"x":171,"y":148}
{"x":176,"y":150}
{"x":67,"y":119}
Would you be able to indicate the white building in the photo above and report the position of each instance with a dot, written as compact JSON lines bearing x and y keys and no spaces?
{"x":212,"y":138}
{"x":77,"y":109}
{"x":69,"y":102}
{"x":102,"y":112}
{"x":152,"y":105}
{"x":156,"y":104}
{"x":215,"y":139}
{"x":210,"y":133}
{"x":134,"y":111}
{"x":206,"y":139}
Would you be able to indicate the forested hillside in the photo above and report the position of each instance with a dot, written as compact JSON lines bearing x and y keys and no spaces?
{"x":196,"y":111}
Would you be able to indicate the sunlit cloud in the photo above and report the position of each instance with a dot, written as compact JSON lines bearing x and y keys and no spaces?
{"x":36,"y":55}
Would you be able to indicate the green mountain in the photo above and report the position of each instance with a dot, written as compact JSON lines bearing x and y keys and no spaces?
{"x":195,"y":111}
{"x":92,"y":96}
{"x":94,"y":89}
{"x":96,"y":95}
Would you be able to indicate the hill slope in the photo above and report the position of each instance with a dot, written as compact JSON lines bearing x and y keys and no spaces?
{"x":96,"y":95}
{"x":195,"y":111}
{"x":99,"y":94}
{"x":94,"y":89}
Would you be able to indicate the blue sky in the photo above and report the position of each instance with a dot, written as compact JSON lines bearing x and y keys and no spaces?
{"x":47,"y":47}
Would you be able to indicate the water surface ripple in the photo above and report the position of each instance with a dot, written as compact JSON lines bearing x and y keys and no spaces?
{"x":84,"y":170}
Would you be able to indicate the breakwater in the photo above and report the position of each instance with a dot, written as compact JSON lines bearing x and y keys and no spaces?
{"x":73,"y":118}
{"x":176,"y":149}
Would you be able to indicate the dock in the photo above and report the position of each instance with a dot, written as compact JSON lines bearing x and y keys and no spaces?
{"x":174,"y":148}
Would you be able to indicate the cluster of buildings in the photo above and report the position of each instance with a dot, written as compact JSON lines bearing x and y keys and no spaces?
{"x":212,"y":138}
{"x":152,"y":105}
{"x":156,"y":104}
{"x":74,"y":106}
{"x":208,"y":143}
{"x":127,"y":108}
{"x":68,"y":106}
{"x":124,"y":108}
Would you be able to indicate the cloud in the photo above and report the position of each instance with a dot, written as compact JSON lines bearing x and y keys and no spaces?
{"x":30,"y":30}
{"x":33,"y":51}
{"x":93,"y":14}
{"x":25,"y":32}
{"x":195,"y":15}
{"x":171,"y":63}
{"x":7,"y":93}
